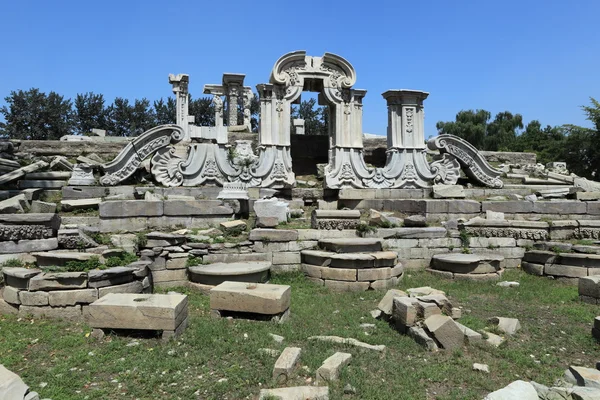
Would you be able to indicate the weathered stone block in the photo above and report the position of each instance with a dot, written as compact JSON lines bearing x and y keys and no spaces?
{"x":590,"y":286}
{"x":131,"y":287}
{"x":565,"y":270}
{"x":11,"y":295}
{"x":273,"y":235}
{"x":58,"y":281}
{"x":67,"y":313}
{"x":131,"y":208}
{"x":250,"y":297}
{"x":445,"y":331}
{"x":19,"y":277}
{"x":33,"y":298}
{"x":559,"y":207}
{"x":373,"y":274}
{"x":339,"y":274}
{"x":177,"y":263}
{"x":196,"y":208}
{"x":286,"y":363}
{"x":72,"y":297}
{"x":532,"y":268}
{"x":138,"y":311}
{"x":28,"y":246}
{"x":332,"y":366}
{"x":513,"y":207}
{"x":286,"y":258}
{"x":404,"y":311}
{"x":346,"y":286}
{"x":296,"y":393}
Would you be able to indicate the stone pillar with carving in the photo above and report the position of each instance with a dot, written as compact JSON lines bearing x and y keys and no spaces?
{"x":234,"y":88}
{"x":407,"y":165}
{"x":180,"y":84}
{"x":216,"y":91}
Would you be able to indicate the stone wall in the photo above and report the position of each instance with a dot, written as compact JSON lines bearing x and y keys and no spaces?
{"x":66,"y":295}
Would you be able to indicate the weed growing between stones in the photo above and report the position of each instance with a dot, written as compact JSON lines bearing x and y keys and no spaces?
{"x":362,"y":229}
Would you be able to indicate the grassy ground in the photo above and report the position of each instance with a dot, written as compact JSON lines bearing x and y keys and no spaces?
{"x":219,"y":359}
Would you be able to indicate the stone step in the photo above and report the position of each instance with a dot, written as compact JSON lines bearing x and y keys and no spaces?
{"x":467,"y":263}
{"x":215,"y":274}
{"x":351,"y":245}
{"x":350,"y":260}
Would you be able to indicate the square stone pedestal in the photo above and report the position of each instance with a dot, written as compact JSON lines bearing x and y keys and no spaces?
{"x":251,"y":300}
{"x":157,"y":312}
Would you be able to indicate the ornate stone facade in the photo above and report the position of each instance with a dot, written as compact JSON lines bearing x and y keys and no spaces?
{"x":204,"y":156}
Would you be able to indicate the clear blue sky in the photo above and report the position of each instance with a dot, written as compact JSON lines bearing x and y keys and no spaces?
{"x":538,"y":58}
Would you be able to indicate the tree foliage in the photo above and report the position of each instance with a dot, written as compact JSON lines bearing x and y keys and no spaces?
{"x":315,"y":117}
{"x":90,"y":112}
{"x":579,"y":147}
{"x":36,"y":115}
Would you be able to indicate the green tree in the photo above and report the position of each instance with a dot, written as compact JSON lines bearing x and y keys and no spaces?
{"x":502,"y":132}
{"x":315,"y":117}
{"x":469,"y":125}
{"x":90,"y":112}
{"x":119,"y":117}
{"x":165,"y":111}
{"x":142,"y":117}
{"x":34,"y":115}
{"x":203,"y":110}
{"x":548,"y":143}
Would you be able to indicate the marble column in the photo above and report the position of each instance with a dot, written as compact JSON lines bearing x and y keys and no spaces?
{"x":180,"y":84}
{"x":234,"y":85}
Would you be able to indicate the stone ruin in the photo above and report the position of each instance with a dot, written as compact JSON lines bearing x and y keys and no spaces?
{"x":176,"y":195}
{"x":188,"y":155}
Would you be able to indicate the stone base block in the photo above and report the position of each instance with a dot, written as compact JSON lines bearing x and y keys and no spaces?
{"x":280,"y":318}
{"x":255,"y":298}
{"x":72,"y":313}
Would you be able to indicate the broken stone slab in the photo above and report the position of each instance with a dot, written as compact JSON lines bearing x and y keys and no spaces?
{"x":587,"y":377}
{"x":130,"y":208}
{"x":219,"y":272}
{"x":508,"y":284}
{"x":295,"y":393}
{"x":404,"y":312}
{"x":48,"y":281}
{"x":481,"y":368}
{"x":332,"y":366}
{"x":422,"y":338}
{"x":467,"y":263}
{"x":42,"y":207}
{"x":49,"y":220}
{"x":212,"y":208}
{"x":445,"y":331}
{"x":494,"y":215}
{"x":18,"y":277}
{"x":448,"y":192}
{"x":11,"y":385}
{"x":272,"y":208}
{"x":138,"y":311}
{"x":509,"y":326}
{"x":15,"y":204}
{"x":350,"y":341}
{"x":386,"y":304}
{"x":493,"y":339}
{"x":267,"y":222}
{"x":60,"y":258}
{"x":415,"y":221}
{"x":48,"y":176}
{"x":433,"y":232}
{"x":78,"y":204}
{"x":423,"y":291}
{"x":425,"y":310}
{"x":18,"y":173}
{"x":516,"y":390}
{"x":27,"y":246}
{"x":160,"y":239}
{"x":470,"y":335}
{"x":232,"y":226}
{"x":286,"y":363}
{"x":26,"y":184}
{"x":267,"y":299}
{"x":60,"y":163}
{"x":273,"y":235}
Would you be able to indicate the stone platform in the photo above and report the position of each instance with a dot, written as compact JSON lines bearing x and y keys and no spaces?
{"x":563,"y":261}
{"x":467,"y":266}
{"x":241,"y":299}
{"x":352,"y":264}
{"x":217,"y":273}
{"x":157,"y":312}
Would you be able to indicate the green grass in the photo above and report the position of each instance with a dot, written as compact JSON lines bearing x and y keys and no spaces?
{"x":555,"y":334}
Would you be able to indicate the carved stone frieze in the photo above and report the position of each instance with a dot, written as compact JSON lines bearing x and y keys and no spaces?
{"x":473,"y":163}
{"x":166,"y":167}
{"x":129,"y":159}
